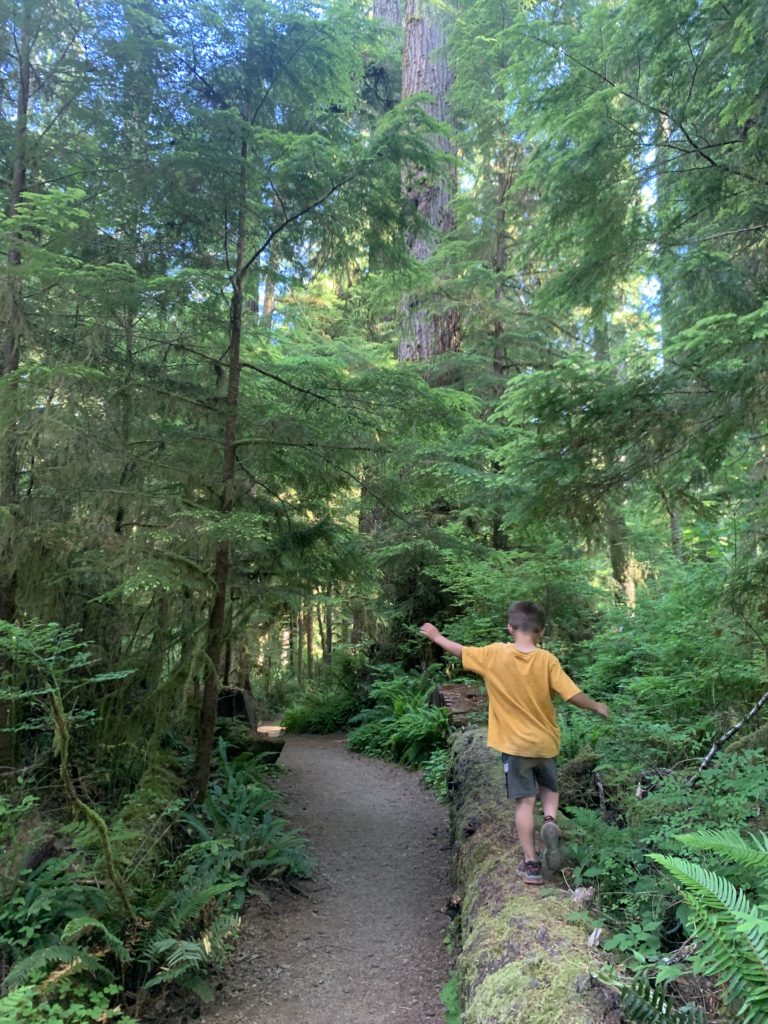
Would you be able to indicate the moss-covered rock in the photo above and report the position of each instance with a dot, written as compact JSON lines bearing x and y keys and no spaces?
{"x":521,"y":961}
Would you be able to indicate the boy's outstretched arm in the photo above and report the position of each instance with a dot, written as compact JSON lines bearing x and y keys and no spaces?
{"x":581,"y":700}
{"x":434,"y":634}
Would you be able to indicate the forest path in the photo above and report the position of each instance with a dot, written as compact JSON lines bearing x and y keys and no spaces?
{"x":365,"y":946}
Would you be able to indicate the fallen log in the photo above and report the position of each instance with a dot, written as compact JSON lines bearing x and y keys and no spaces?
{"x":521,"y":961}
{"x":461,"y":699}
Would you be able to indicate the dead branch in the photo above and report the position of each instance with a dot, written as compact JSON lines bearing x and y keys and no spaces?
{"x":727,"y":735}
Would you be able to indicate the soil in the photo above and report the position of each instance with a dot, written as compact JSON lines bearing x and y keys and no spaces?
{"x":363,"y":942}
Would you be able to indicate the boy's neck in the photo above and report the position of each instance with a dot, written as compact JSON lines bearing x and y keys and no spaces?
{"x":525,"y":642}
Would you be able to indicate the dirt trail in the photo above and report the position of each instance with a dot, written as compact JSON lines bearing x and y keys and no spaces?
{"x":365,"y":946}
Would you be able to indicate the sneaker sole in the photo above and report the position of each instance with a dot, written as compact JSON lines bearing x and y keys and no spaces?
{"x":550,"y":837}
{"x":528,"y":880}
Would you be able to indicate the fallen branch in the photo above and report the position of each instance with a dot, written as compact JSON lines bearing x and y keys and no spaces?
{"x":726,"y":736}
{"x":600,"y":794}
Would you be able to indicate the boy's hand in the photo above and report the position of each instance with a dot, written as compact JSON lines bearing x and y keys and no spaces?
{"x":602,"y":709}
{"x":429,"y":630}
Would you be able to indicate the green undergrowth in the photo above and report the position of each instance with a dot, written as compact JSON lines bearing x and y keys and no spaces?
{"x":331,"y":699}
{"x":434,"y":772}
{"x":320,"y":711}
{"x":400,"y":725}
{"x":73,"y":952}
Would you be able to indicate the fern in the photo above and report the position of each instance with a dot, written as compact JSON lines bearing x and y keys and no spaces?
{"x":79,"y":925}
{"x":645,"y":1004}
{"x":731,"y":932}
{"x":41,"y":961}
{"x":751,"y":852}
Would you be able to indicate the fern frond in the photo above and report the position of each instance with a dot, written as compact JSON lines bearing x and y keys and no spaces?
{"x":42,"y":960}
{"x":175,"y":952}
{"x":199,"y":987}
{"x":192,"y":903}
{"x":644,"y":1004}
{"x":750,"y":852}
{"x":79,"y":925}
{"x":731,"y":937}
{"x":716,"y":892}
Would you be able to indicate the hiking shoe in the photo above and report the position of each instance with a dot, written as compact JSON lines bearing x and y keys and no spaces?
{"x":530,"y":872}
{"x":550,"y":837}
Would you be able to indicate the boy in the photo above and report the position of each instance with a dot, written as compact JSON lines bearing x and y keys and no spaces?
{"x":520,"y":678}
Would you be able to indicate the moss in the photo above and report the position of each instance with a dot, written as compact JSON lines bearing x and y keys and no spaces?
{"x":534,"y":990}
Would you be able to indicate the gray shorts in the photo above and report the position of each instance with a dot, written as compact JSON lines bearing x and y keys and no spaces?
{"x":524,"y":774}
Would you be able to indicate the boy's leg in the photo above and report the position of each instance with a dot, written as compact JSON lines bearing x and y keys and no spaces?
{"x":524,"y":823}
{"x":521,"y":787}
{"x":550,"y":833}
{"x":550,"y":801}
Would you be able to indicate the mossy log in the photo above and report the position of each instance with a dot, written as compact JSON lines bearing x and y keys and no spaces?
{"x":521,"y":961}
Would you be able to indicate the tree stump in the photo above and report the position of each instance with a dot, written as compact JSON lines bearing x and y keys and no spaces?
{"x":521,"y":962}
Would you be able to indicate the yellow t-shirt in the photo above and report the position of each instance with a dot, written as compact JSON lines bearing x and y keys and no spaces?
{"x":521,"y":716}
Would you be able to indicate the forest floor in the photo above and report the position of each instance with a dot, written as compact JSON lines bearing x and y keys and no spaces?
{"x":364,"y":944}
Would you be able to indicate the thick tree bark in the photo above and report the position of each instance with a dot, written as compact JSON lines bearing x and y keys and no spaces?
{"x":388,"y":10}
{"x":425,"y":69}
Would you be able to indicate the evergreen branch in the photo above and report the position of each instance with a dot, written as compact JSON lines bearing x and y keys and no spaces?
{"x":311,"y":445}
{"x":291,"y":219}
{"x":697,"y":149}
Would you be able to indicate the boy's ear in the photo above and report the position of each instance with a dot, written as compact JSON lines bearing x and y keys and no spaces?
{"x":510,"y":630}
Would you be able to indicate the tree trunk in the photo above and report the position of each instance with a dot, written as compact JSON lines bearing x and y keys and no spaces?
{"x":614,"y":522}
{"x":425,"y":69}
{"x":328,"y":649}
{"x":299,"y":670}
{"x":308,"y":635}
{"x":11,"y":311}
{"x":221,"y":566}
{"x":665,"y":308}
{"x":388,"y":10}
{"x":270,"y":282}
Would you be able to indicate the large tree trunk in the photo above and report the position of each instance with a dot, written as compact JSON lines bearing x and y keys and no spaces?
{"x":388,"y":10}
{"x":425,"y":69}
{"x":11,"y":323}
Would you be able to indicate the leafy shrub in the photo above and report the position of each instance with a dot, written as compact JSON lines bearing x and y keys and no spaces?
{"x":319,"y":711}
{"x":673,"y":686}
{"x":636,"y":900}
{"x":434,"y":771}
{"x":70,"y":1001}
{"x":401,"y":726}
